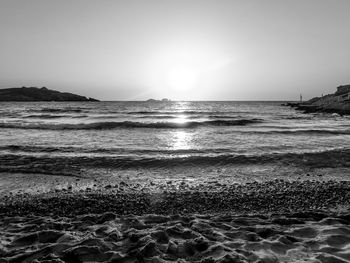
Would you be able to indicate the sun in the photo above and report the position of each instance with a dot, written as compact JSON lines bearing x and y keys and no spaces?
{"x":182,"y":77}
{"x":184,"y":68}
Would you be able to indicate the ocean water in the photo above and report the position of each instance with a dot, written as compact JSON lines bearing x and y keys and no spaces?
{"x":231,"y":140}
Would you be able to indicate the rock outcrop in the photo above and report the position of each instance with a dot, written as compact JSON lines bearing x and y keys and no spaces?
{"x":162,"y":100}
{"x":338,"y":102}
{"x":39,"y":94}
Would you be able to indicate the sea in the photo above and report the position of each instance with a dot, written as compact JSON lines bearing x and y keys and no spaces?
{"x":228,"y":141}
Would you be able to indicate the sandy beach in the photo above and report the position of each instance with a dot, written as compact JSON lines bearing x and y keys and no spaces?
{"x":176,"y":131}
{"x":274,"y":221}
{"x":223,"y":190}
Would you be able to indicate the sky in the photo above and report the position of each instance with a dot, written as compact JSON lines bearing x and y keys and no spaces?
{"x":181,"y":50}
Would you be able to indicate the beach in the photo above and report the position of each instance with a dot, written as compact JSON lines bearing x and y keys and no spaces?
{"x":275,"y":221}
{"x":173,"y":182}
{"x":174,"y":131}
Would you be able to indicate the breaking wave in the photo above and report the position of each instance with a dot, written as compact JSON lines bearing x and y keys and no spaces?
{"x":44,"y":116}
{"x":321,"y":159}
{"x":61,"y":110}
{"x":305,"y":132}
{"x":130,"y":124}
{"x":185,"y":112}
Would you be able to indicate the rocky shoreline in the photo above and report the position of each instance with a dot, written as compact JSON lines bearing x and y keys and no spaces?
{"x":338,"y":103}
{"x":309,"y":108}
{"x":39,"y":94}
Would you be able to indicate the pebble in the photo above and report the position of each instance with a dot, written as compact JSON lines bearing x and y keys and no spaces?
{"x":273,"y":196}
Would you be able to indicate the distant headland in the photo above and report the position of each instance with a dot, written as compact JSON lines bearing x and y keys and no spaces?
{"x":338,"y":102}
{"x":39,"y":94}
{"x":162,"y":100}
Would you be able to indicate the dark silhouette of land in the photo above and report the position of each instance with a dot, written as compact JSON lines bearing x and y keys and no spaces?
{"x":338,"y":102}
{"x":39,"y":94}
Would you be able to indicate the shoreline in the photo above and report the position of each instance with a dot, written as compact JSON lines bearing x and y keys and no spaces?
{"x":276,"y":196}
{"x":275,"y":221}
{"x":306,"y":107}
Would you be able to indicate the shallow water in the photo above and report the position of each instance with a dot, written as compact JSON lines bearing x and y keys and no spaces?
{"x":232,"y":139}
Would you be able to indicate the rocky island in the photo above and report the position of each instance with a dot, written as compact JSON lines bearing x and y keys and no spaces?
{"x":162,"y":100}
{"x":338,"y":102}
{"x":39,"y":94}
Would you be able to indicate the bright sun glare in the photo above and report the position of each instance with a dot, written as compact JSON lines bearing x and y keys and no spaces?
{"x":182,"y":77}
{"x":178,"y":70}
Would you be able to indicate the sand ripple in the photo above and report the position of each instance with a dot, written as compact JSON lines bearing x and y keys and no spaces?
{"x":307,"y":237}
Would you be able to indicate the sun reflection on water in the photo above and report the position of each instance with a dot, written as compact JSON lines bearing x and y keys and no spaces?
{"x":181,"y":119}
{"x":181,"y":140}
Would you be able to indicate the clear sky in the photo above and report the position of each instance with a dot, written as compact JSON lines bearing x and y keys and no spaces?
{"x":182,"y":50}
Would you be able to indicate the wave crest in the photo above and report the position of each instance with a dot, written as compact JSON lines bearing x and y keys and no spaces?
{"x":321,"y":159}
{"x":129,"y":124}
{"x":305,"y":132}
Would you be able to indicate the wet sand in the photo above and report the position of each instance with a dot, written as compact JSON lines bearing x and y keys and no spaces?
{"x":274,"y":221}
